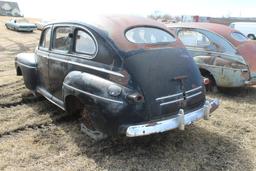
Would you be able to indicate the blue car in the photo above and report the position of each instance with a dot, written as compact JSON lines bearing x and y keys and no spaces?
{"x":20,"y":25}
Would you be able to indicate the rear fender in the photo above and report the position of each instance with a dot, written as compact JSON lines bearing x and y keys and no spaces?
{"x":227,"y":77}
{"x":88,"y":87}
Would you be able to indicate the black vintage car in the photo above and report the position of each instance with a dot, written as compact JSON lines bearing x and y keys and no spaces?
{"x":125,"y":75}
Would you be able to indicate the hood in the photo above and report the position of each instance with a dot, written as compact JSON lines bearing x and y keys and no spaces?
{"x":248,"y":51}
{"x":157,"y":71}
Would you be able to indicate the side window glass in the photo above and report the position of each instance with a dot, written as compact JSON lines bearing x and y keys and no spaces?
{"x":194,"y":39}
{"x":45,"y":39}
{"x":84,"y":43}
{"x":62,"y":38}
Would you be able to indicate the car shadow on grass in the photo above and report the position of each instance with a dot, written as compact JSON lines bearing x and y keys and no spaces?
{"x":195,"y":148}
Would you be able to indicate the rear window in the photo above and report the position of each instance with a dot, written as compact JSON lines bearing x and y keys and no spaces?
{"x":193,"y":38}
{"x":239,"y":36}
{"x":149,"y":35}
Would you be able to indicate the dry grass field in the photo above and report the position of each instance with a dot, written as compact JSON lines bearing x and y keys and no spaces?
{"x":36,"y":135}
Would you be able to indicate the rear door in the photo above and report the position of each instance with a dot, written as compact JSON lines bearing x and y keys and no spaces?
{"x":42,"y":59}
{"x":201,"y":48}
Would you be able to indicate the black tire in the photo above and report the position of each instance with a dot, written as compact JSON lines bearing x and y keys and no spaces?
{"x":251,"y":36}
{"x":87,"y":126}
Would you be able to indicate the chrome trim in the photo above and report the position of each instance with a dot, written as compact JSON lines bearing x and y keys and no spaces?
{"x":181,"y":99}
{"x":25,"y":65}
{"x":166,"y":97}
{"x":89,"y":66}
{"x":170,"y":102}
{"x":189,"y":91}
{"x":84,"y":29}
{"x":189,"y":97}
{"x":218,"y":67}
{"x":93,"y":95}
{"x":217,"y":53}
{"x":177,"y":121}
{"x":175,"y":95}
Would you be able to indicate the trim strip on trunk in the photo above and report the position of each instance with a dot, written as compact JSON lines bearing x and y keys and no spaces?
{"x":178,"y":94}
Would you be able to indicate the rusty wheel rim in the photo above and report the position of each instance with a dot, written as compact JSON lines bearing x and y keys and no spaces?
{"x":86,"y":119}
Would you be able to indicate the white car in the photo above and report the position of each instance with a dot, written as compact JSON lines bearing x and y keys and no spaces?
{"x":20,"y":25}
{"x":247,"y":28}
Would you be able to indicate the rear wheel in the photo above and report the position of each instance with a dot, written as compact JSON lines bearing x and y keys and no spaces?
{"x":75,"y":107}
{"x":87,"y":126}
{"x":211,"y":86}
{"x":251,"y":36}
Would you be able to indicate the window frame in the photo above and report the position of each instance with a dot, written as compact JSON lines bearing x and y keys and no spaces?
{"x":235,"y":38}
{"x":194,"y":31}
{"x":80,"y":54}
{"x":42,"y":36}
{"x":85,"y":55}
{"x":53,"y":37}
{"x":153,"y":27}
{"x":227,"y":46}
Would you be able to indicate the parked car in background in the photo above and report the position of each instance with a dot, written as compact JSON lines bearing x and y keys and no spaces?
{"x":124,"y":75}
{"x":247,"y":28}
{"x":20,"y":25}
{"x":223,"y":55}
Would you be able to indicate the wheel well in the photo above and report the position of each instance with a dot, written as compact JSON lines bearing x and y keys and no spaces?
{"x":75,"y":105}
{"x":207,"y":74}
{"x":18,"y":71}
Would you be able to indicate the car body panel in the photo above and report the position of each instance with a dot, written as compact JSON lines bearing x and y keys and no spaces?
{"x":124,"y":83}
{"x":231,"y":62}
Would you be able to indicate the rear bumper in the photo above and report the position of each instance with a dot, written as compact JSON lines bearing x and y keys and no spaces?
{"x":178,"y":121}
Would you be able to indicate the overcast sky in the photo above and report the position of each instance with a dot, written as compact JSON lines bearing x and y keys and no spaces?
{"x":74,"y":9}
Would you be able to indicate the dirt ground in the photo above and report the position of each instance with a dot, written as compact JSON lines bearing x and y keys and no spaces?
{"x":36,"y":135}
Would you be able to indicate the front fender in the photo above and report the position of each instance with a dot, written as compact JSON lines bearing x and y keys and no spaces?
{"x":26,"y":65}
{"x":91,"y":87}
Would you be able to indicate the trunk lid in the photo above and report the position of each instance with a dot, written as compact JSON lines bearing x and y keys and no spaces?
{"x":159,"y":73}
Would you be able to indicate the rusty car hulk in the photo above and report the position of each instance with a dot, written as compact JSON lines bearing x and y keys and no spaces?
{"x":224,"y":55}
{"x":125,"y":75}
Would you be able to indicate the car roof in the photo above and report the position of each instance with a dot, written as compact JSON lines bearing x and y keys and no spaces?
{"x":219,"y":29}
{"x":114,"y":27}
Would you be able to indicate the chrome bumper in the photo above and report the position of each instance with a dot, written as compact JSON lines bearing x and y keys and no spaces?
{"x":179,"y":121}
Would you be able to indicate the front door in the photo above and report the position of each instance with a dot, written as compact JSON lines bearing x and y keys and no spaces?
{"x":61,"y":45}
{"x":42,"y":59}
